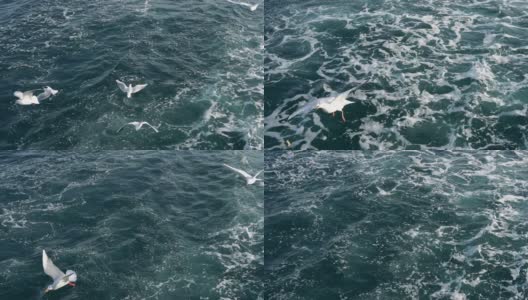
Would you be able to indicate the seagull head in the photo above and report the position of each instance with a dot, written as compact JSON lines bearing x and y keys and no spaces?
{"x":72,"y":277}
{"x":50,"y":90}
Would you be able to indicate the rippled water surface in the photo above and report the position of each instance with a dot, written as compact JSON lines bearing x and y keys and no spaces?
{"x":396,"y":225}
{"x":133,"y":225}
{"x":202,"y":61}
{"x":435,"y":74}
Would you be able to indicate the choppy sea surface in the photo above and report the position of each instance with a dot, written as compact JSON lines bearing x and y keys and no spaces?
{"x":202,"y":61}
{"x":133,"y":225}
{"x":429,"y":74}
{"x":396,"y":225}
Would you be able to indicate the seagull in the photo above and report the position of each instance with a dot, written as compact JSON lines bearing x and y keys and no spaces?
{"x":27,"y":98}
{"x":336,"y":104}
{"x":328,"y":104}
{"x":249,"y":179}
{"x":331,"y":104}
{"x":129,"y":90}
{"x":59,"y":278}
{"x":48,"y":92}
{"x":251,"y":7}
{"x":138,"y":126}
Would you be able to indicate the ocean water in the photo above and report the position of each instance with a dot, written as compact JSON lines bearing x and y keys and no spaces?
{"x":429,"y":74}
{"x":133,"y":225}
{"x":202,"y":61}
{"x":396,"y":225}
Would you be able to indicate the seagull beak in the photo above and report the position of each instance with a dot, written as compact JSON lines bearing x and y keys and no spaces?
{"x":71,"y":284}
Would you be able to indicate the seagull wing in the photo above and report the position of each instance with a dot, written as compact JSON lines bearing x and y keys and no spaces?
{"x":138,"y":88}
{"x":344,"y":95}
{"x":122,"y":86}
{"x":258,"y":173}
{"x":243,"y":173}
{"x":155,"y":129}
{"x":44,"y":95}
{"x":311,"y":105}
{"x":50,"y":268}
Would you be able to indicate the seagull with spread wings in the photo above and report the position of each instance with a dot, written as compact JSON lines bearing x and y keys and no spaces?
{"x":138,"y":125}
{"x":129,"y":90}
{"x":59,"y":278}
{"x":249,"y":179}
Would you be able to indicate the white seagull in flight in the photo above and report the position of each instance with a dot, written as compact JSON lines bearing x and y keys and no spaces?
{"x":336,"y":103}
{"x":129,"y":90}
{"x":59,"y":278}
{"x":332,"y":104}
{"x":328,"y":104}
{"x":138,"y":126}
{"x":249,"y":179}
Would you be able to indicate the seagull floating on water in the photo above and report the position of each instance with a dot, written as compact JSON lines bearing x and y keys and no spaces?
{"x":138,"y":126}
{"x":129,"y":90}
{"x":249,"y":179}
{"x":27,"y":98}
{"x":59,"y":278}
{"x":252,"y":7}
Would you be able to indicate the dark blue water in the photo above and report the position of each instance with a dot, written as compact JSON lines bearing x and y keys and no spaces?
{"x":133,"y":225}
{"x":435,"y":74}
{"x":396,"y":225}
{"x":202,"y":61}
